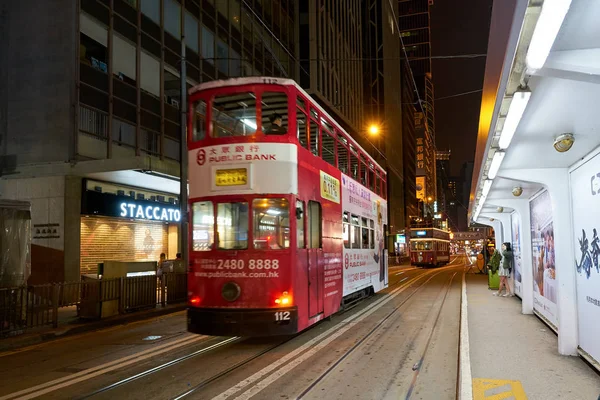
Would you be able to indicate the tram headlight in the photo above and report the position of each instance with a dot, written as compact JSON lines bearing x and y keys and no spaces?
{"x":231,"y":291}
{"x":284,"y":300}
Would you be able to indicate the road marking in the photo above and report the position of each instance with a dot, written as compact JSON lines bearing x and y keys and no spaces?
{"x":498,"y":389}
{"x":403,"y":280}
{"x":465,"y":382}
{"x":89,"y":373}
{"x":400,"y":273}
{"x":315,"y":345}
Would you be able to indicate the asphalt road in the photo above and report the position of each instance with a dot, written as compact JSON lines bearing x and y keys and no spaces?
{"x":401,"y":343}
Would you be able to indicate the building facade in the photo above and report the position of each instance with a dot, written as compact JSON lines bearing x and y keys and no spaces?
{"x":94,"y":115}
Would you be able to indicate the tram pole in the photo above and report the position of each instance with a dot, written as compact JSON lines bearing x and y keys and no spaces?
{"x":183,"y":155}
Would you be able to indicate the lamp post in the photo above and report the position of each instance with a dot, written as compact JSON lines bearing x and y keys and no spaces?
{"x":183,"y":167}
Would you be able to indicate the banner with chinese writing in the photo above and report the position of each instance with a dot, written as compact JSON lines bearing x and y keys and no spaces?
{"x":585,"y":192}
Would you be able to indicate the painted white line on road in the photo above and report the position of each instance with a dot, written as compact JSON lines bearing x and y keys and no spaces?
{"x":403,"y":280}
{"x":89,"y":373}
{"x":465,"y":378}
{"x":314,"y":345}
{"x":400,"y":273}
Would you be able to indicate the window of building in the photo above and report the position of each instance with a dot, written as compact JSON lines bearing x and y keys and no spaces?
{"x":208,"y":45}
{"x":172,"y":87}
{"x":132,"y":3}
{"x":222,"y":7}
{"x":235,"y":64}
{"x":314,"y":225}
{"x":123,"y":133}
{"x":172,"y":149}
{"x":150,"y":142}
{"x":300,"y":224}
{"x":222,"y":56}
{"x":151,"y":9}
{"x":203,"y":226}
{"x":232,"y":226}
{"x":173,"y":18}
{"x":191,"y":31}
{"x":124,"y":59}
{"x":93,"y":43}
{"x":149,"y":74}
{"x":302,"y":129}
{"x":234,"y":13}
{"x":346,"y":229}
{"x":234,"y":115}
{"x":199,"y":132}
{"x":271,"y":223}
{"x":274,"y":113}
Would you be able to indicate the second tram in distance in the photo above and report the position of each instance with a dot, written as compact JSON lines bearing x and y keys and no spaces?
{"x":429,"y":246}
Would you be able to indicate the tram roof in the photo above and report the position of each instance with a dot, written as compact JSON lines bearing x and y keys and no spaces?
{"x":260,"y":80}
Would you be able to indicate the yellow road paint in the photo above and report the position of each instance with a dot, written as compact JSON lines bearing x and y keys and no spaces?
{"x":498,"y":389}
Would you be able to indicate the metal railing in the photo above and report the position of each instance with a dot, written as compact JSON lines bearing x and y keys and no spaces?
{"x":27,"y":307}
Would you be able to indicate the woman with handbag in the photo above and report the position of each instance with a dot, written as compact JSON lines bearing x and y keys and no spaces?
{"x":505,"y":270}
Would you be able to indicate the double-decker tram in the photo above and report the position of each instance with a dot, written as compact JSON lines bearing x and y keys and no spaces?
{"x":429,"y":244}
{"x":287,"y":212}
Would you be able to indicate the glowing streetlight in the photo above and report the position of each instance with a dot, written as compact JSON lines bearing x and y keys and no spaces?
{"x":373,"y":129}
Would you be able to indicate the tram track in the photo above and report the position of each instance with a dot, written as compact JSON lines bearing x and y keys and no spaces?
{"x":376,"y":328}
{"x":219,"y":346}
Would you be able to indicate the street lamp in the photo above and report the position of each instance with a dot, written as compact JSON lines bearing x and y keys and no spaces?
{"x":373,"y":129}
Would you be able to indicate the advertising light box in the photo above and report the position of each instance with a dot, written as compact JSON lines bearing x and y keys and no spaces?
{"x":585,"y":192}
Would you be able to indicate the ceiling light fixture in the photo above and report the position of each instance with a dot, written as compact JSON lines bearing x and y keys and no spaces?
{"x":564,"y":142}
{"x":495,"y":164}
{"x":515,"y":113}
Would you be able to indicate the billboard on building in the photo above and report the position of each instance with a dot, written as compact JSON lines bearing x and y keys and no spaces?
{"x":542,"y":246}
{"x":585,"y":193}
{"x":421,"y":188}
{"x":516,"y":245}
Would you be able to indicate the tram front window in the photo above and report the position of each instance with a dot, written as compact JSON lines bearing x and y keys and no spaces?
{"x":232,"y":226}
{"x":271,"y":224}
{"x":203,"y":222}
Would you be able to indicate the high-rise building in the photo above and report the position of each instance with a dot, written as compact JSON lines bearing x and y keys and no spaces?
{"x":442,"y":171}
{"x":350,"y":56}
{"x":90,"y":107}
{"x":415,"y":35}
{"x":413,"y":191}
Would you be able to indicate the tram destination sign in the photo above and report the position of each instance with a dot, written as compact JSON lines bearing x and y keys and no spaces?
{"x":112,"y":205}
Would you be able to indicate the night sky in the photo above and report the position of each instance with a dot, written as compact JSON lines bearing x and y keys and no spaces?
{"x":458,"y":27}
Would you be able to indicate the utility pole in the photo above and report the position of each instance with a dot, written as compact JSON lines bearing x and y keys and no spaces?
{"x":183,"y":156}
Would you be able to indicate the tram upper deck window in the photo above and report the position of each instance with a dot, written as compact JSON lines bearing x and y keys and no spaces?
{"x":199,"y":132}
{"x":232,"y":226}
{"x":271,"y":224}
{"x":274,"y":113}
{"x":234,"y":115}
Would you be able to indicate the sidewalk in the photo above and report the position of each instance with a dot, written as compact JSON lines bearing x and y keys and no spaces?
{"x":513,"y":352}
{"x":68,"y":325}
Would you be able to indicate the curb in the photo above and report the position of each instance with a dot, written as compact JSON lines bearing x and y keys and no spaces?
{"x":26,"y":340}
{"x":465,"y":380}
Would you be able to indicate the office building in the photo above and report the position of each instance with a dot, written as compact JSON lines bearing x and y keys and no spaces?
{"x":90,"y":112}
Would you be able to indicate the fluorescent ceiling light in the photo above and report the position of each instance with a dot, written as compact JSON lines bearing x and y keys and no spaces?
{"x":249,"y":123}
{"x":515,"y":112}
{"x":273,"y":212}
{"x":487,"y":185}
{"x":547,"y":28}
{"x":495,"y":164}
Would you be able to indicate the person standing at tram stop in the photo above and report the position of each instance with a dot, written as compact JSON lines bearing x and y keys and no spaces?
{"x":161,"y":265}
{"x":505,"y":270}
{"x":493,"y":265}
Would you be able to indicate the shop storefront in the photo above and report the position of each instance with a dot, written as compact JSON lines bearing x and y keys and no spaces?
{"x":126,"y":224}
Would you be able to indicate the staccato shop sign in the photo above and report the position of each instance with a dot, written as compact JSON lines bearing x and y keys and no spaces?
{"x":112,"y":205}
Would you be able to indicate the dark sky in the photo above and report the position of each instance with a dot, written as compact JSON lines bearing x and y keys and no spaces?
{"x":458,"y":27}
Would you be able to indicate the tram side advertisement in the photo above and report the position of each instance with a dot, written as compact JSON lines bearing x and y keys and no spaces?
{"x":366,"y":266}
{"x":585,"y":192}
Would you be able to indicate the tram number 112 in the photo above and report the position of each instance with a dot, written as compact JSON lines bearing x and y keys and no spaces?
{"x":282,"y":316}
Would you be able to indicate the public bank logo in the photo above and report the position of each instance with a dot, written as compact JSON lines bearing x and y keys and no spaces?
{"x":201,"y":157}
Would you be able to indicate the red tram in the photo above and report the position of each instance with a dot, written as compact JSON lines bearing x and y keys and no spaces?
{"x":287,"y":212}
{"x":429,"y":246}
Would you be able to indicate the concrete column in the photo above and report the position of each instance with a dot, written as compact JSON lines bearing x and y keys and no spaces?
{"x":484,"y":219}
{"x":556,"y":180}
{"x":72,"y":228}
{"x":521,"y":207}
